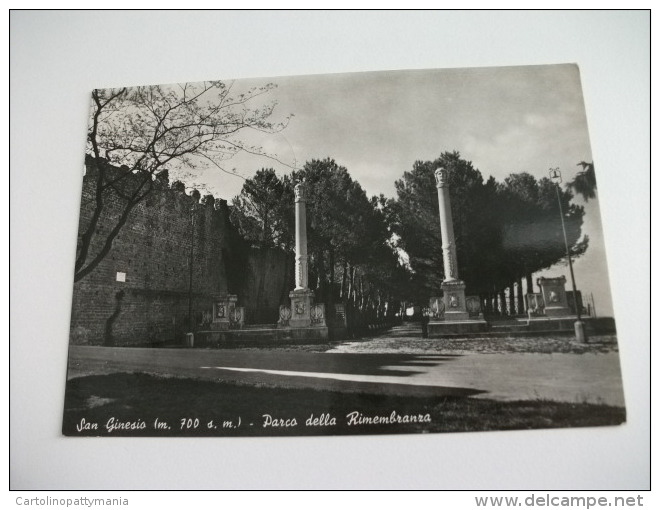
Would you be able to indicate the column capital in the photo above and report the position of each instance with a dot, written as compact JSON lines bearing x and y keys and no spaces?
{"x":300,"y":192}
{"x":441,"y":177}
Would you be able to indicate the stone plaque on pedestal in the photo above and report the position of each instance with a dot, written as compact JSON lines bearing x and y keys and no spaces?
{"x":237,"y":317}
{"x":301,"y":308}
{"x":554,"y":296}
{"x":317,"y":314}
{"x":224,"y":308}
{"x":285,"y":316}
{"x":454,"y":300}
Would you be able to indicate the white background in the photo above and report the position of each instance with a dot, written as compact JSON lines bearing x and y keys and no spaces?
{"x":57,"y":58}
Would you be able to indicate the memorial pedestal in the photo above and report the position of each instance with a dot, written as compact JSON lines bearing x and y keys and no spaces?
{"x":454,"y":314}
{"x":554,"y":296}
{"x":226,"y":314}
{"x":454,"y":300}
{"x":301,"y":308}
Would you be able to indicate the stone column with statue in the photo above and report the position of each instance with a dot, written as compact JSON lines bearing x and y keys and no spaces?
{"x":302,"y":299}
{"x":453,"y":288}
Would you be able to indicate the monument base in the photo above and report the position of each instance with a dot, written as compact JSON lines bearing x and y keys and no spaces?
{"x":456,"y":316}
{"x":301,"y":306}
{"x":255,"y":335}
{"x":558,"y":311}
{"x":225,"y":312}
{"x":554,"y":296}
{"x":303,"y":312}
{"x":453,"y":297}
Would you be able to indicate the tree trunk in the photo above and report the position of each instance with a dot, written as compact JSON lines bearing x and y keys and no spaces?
{"x":512,"y":299}
{"x":530,"y":283}
{"x":331,"y":294}
{"x":483,"y":299}
{"x":521,"y":300}
{"x":342,"y":290}
{"x":351,"y":287}
{"x":362,"y":296}
{"x":320,"y":267}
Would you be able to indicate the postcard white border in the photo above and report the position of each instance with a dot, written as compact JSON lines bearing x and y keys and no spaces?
{"x":56,"y":58}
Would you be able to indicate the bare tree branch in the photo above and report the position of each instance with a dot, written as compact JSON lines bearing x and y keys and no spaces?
{"x":142,"y":130}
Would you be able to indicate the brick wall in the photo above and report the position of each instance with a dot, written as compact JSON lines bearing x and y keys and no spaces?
{"x":153,"y":250}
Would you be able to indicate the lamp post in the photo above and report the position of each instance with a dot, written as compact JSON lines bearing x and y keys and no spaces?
{"x":193,"y":210}
{"x":555,"y":176}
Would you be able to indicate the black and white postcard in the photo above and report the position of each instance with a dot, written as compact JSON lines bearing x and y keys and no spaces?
{"x":366,"y":253}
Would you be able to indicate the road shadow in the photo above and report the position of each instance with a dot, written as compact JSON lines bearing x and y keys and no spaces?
{"x":342,"y":386}
{"x":398,"y":365}
{"x":402,"y":333}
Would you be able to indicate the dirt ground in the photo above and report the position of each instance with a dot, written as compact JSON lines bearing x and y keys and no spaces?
{"x":406,"y":340}
{"x":483,"y":345}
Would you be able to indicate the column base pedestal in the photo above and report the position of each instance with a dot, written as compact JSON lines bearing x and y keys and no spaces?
{"x":558,"y":311}
{"x":554,"y":296}
{"x":224,"y":307}
{"x":456,"y":316}
{"x":301,"y":306}
{"x":449,"y":328}
{"x":453,"y":297}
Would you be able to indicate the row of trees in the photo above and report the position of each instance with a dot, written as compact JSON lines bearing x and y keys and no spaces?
{"x":350,"y":257}
{"x":505,"y":231}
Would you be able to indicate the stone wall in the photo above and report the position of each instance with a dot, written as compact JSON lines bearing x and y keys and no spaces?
{"x":153,"y":251}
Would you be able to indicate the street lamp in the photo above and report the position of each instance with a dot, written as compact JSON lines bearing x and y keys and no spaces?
{"x":555,"y":176}
{"x":193,"y":210}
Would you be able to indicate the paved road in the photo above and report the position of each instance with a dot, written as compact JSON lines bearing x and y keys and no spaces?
{"x":594,"y":378}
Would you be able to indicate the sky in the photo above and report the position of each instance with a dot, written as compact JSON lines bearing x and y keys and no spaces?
{"x":503,"y":119}
{"x":377,"y":124}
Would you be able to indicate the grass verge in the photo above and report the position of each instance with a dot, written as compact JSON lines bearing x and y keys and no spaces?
{"x":146,"y":405}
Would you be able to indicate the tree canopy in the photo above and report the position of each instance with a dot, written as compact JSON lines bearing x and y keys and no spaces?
{"x":347,"y":231}
{"x":584,"y":182}
{"x":263,"y":212}
{"x":503,"y":231}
